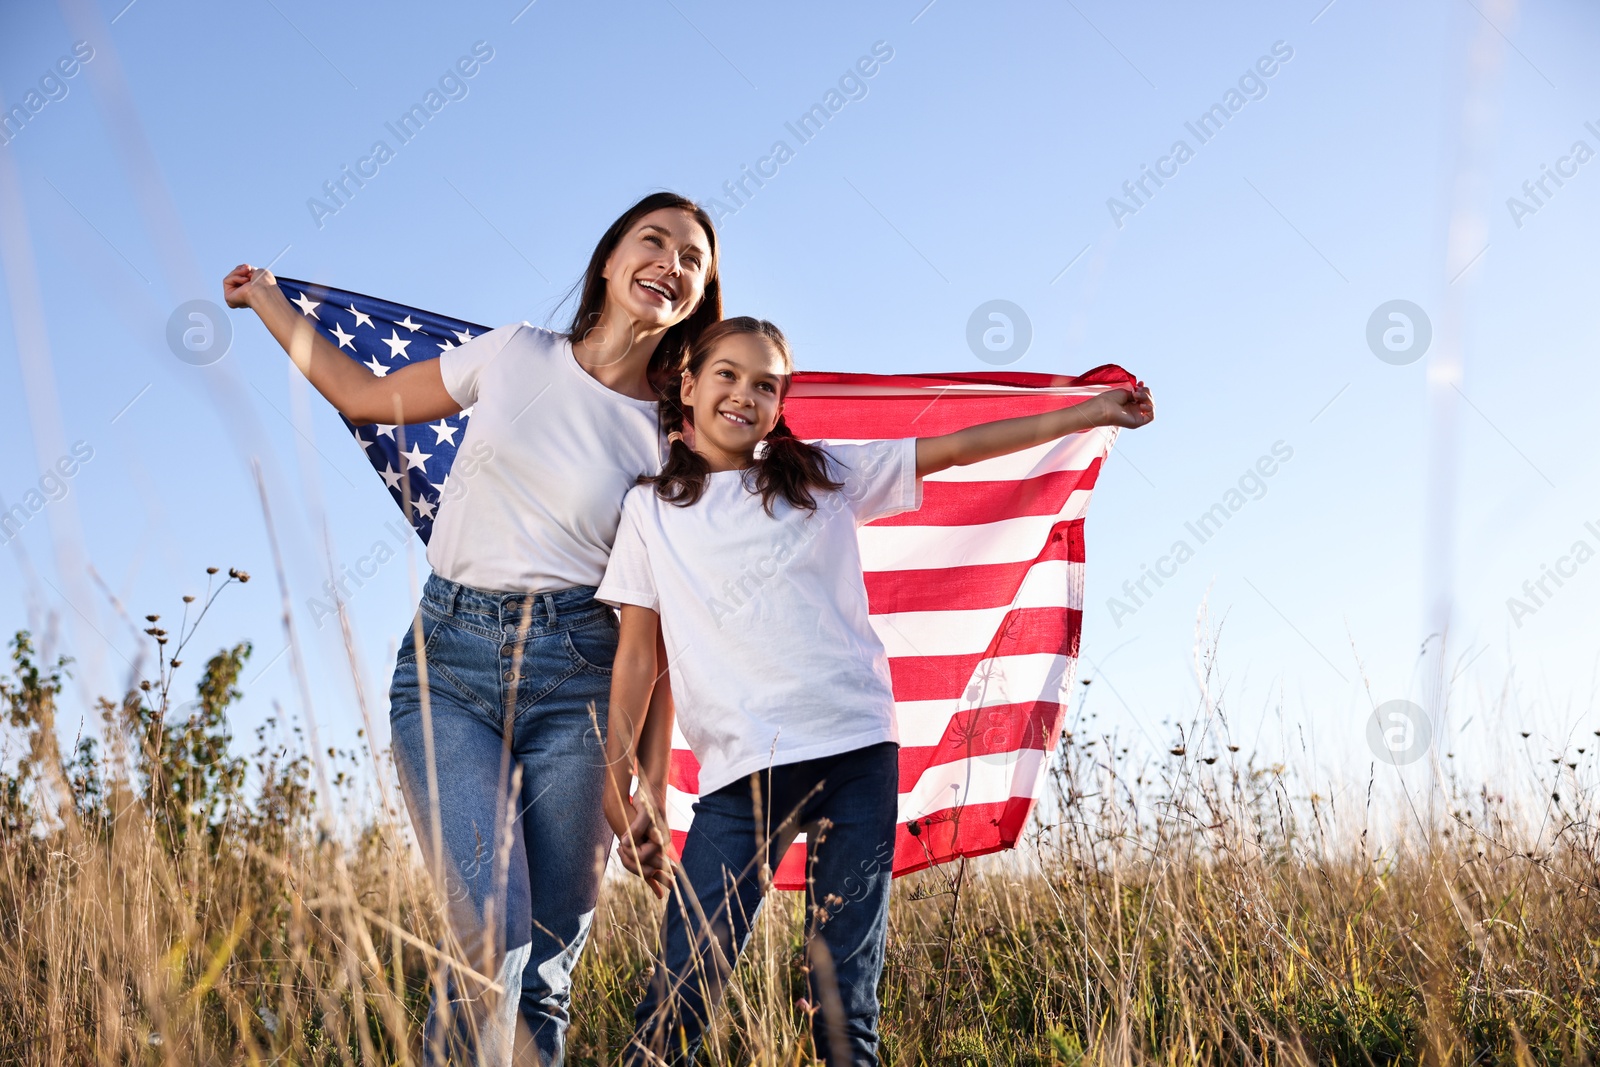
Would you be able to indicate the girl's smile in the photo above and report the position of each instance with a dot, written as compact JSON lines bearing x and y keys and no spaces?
{"x":736,"y":399}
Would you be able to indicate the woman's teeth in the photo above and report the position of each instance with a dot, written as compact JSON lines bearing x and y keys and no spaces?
{"x":735,"y":419}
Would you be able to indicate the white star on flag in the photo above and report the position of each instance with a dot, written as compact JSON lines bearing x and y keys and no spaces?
{"x":383,"y":431}
{"x":397,"y":347}
{"x":391,"y":477}
{"x":423,"y":506}
{"x":343,"y":338}
{"x":416,"y":457}
{"x":377,"y":368}
{"x":408,"y":324}
{"x":362,"y":318}
{"x":308,"y":306}
{"x":463,"y":335}
{"x":445,"y":432}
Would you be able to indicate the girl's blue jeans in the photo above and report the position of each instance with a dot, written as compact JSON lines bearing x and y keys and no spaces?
{"x":501,"y":756}
{"x":848,"y":805}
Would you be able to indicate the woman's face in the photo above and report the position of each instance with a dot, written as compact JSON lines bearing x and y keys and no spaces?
{"x":657,"y":273}
{"x":736,"y":397}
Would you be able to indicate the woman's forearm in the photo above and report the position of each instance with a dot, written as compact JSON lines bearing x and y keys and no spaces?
{"x":410,"y":394}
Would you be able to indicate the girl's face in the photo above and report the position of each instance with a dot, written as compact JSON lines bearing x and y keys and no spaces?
{"x":657,"y":273}
{"x":736,"y":398}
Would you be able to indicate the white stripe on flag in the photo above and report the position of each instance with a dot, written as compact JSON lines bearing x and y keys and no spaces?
{"x":978,"y":780}
{"x":1048,"y":584}
{"x":998,"y":681}
{"x":911,"y":548}
{"x":1073,"y":453}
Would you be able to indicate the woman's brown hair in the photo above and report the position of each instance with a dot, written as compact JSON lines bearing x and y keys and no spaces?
{"x":592,"y":299}
{"x":788,"y":467}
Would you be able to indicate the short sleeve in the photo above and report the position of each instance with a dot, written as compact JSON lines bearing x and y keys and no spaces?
{"x":628,"y":578}
{"x":880,"y":477}
{"x":462,"y":366}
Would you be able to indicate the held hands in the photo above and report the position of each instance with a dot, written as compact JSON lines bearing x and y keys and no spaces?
{"x":642,"y":848}
{"x":244,"y":283}
{"x":1119,"y":407}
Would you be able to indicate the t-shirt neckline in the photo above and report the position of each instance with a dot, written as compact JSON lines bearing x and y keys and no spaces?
{"x":577,"y":368}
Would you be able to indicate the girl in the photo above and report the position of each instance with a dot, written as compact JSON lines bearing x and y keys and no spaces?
{"x":786,"y":699}
{"x":498,"y":701}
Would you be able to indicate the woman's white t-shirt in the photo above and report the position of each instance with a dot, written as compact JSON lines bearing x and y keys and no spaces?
{"x":772,"y":657}
{"x":552,"y":453}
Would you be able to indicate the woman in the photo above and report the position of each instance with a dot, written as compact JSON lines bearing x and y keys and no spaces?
{"x":499,"y":697}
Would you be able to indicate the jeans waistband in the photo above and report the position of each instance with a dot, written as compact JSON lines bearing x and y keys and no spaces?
{"x":546,"y":607}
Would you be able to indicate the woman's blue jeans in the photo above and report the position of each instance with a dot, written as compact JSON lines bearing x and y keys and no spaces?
{"x":848,"y":806}
{"x":499,"y":739}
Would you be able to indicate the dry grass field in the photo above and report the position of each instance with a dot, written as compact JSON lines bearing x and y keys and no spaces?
{"x":166,"y":900}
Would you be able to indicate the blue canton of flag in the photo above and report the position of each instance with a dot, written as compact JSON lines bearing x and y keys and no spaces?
{"x":414,"y":461}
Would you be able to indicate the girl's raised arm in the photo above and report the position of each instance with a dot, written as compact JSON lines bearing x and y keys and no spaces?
{"x":409,"y":395}
{"x":1116,"y":407}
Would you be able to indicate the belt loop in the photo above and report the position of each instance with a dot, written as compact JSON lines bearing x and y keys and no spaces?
{"x":549,"y":609}
{"x":450,"y":601}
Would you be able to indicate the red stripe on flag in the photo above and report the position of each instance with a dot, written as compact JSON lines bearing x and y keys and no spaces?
{"x":1105,"y":374}
{"x":975,"y":830}
{"x":683,"y":771}
{"x":925,"y":415}
{"x":979,"y":585}
{"x":993,"y":731}
{"x":1025,"y":631}
{"x":974,"y":503}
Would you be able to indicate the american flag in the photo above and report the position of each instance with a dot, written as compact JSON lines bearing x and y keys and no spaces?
{"x":977,"y":596}
{"x":413,"y":461}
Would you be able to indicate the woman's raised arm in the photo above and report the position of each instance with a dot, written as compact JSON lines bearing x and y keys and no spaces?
{"x":410,"y":395}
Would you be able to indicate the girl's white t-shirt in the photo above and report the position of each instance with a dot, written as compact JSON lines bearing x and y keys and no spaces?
{"x":533,"y":499}
{"x":772,"y":657}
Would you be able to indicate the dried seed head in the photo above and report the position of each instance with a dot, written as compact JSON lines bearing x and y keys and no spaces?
{"x":188,"y":600}
{"x":211,"y":570}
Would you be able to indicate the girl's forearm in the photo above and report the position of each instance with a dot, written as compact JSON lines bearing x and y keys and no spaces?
{"x":655,"y":739}
{"x":1002,"y":437}
{"x":633,"y":675}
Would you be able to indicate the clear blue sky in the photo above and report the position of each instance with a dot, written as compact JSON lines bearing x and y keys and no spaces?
{"x":977,"y":165}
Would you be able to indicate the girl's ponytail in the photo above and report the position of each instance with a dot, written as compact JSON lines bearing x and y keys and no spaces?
{"x":683,"y":477}
{"x":787,"y":467}
{"x":792,"y":468}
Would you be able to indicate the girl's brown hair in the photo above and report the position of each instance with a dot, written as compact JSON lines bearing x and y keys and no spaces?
{"x":788,"y":467}
{"x":592,"y":299}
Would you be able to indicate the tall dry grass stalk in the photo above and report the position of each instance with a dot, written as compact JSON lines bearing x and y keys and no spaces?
{"x":165,"y":900}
